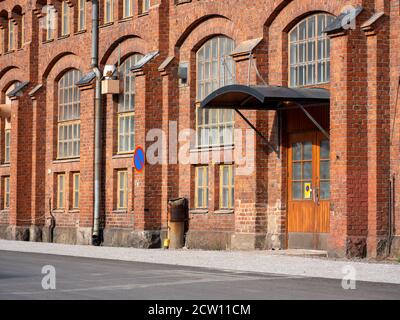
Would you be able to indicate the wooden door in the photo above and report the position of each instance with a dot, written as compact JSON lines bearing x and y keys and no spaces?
{"x":308,"y":190}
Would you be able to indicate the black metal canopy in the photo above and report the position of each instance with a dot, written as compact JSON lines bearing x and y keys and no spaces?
{"x":262,"y":97}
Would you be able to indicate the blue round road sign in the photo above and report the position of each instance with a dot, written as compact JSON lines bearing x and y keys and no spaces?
{"x":139,"y":159}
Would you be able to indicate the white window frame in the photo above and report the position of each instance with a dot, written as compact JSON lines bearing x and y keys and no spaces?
{"x":6,"y":199}
{"x":127,"y":8}
{"x":108,"y":11}
{"x":81,"y":15}
{"x":145,"y":6}
{"x":65,"y":18}
{"x":229,"y":187}
{"x":215,"y":68}
{"x":11,"y":36}
{"x":126,"y":107}
{"x":7,"y":143}
{"x":201,"y":172}
{"x":61,"y":191}
{"x":68,"y":140}
{"x":75,"y":190}
{"x":309,"y":51}
{"x":49,"y":21}
{"x":122,"y":174}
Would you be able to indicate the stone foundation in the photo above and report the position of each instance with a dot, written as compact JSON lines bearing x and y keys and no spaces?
{"x":35,"y":234}
{"x":356,"y":247}
{"x":208,"y":240}
{"x":248,"y":241}
{"x":137,"y":239}
{"x":395,"y":248}
{"x":66,"y":235}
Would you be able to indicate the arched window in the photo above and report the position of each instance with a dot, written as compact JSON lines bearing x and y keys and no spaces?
{"x":215,"y":68}
{"x":7,"y":126}
{"x":126,"y":106}
{"x":309,"y":53}
{"x":69,"y":111}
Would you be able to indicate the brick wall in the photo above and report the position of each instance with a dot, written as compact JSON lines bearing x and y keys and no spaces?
{"x":364,"y":152}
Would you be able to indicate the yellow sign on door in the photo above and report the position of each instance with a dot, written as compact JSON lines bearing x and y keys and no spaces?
{"x":307,"y":191}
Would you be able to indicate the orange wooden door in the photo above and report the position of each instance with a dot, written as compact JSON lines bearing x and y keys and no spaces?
{"x":308,"y":190}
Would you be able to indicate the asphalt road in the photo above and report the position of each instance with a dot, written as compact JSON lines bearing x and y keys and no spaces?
{"x":83,"y":278}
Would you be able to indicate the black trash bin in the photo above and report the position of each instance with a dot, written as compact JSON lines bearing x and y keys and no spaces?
{"x":177,"y":216}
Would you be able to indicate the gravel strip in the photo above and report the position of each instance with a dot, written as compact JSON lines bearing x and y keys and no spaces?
{"x":251,"y":261}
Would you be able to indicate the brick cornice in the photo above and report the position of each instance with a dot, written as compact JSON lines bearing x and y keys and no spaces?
{"x":165,"y":67}
{"x":372,"y":24}
{"x":87,"y":86}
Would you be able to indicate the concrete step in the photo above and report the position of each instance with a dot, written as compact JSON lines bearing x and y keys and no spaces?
{"x":301,"y":253}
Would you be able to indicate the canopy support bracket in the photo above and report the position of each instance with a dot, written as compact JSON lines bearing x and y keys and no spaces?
{"x":258,"y":132}
{"x":309,"y":116}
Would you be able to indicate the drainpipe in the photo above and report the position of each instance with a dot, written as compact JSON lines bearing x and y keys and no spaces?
{"x":391,"y":213}
{"x":96,"y":239}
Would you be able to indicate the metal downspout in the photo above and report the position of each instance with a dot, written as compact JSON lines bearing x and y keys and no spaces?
{"x":96,"y":238}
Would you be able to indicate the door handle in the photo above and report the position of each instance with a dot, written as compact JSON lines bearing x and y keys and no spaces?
{"x":316,"y":196}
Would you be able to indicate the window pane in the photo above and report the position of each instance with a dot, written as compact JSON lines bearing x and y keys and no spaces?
{"x":225,"y":180}
{"x":325,"y":149}
{"x":296,"y":190}
{"x":321,"y":24}
{"x":302,"y":53}
{"x":307,"y":151}
{"x":302,"y":30}
{"x":296,"y":171}
{"x":296,"y":151}
{"x":307,"y":170}
{"x":200,"y":197}
{"x":225,"y":197}
{"x":311,"y":27}
{"x":293,"y":54}
{"x":293,"y":35}
{"x":325,"y":192}
{"x":325,"y":172}
{"x":200,"y":175}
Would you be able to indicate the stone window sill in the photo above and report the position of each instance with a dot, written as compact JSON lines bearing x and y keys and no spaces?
{"x":66,"y":160}
{"x":179,"y":2}
{"x":119,"y":211}
{"x":63,"y":37}
{"x":123,"y":156}
{"x":4,"y":211}
{"x":80,"y":32}
{"x":224,"y":211}
{"x":106,"y":24}
{"x":143,"y":14}
{"x":130,"y":18}
{"x":47,"y":41}
{"x":211,"y":148}
{"x":58,"y":211}
{"x":5,"y":165}
{"x":198,"y":211}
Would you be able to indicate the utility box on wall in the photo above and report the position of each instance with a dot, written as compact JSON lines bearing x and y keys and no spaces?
{"x":110,"y":86}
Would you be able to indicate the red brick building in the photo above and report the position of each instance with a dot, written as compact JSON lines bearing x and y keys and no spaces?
{"x":336,"y":190}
